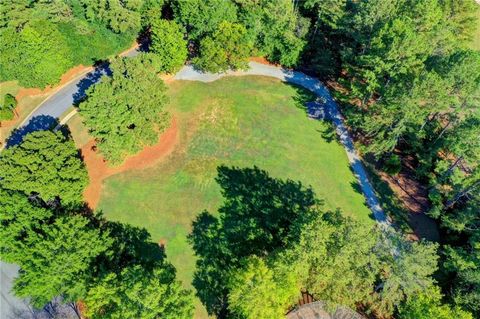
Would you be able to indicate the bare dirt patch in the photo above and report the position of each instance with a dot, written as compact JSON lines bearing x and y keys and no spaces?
{"x":98,"y":168}
{"x":414,"y":197}
{"x":262,"y":60}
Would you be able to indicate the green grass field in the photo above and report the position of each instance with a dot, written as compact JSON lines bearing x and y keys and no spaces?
{"x":241,"y":121}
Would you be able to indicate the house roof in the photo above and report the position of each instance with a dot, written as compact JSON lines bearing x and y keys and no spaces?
{"x":317,"y":310}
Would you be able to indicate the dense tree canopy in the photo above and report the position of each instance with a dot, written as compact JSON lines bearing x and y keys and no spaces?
{"x":168,"y":45}
{"x":139,"y":293}
{"x":43,"y":50}
{"x":411,"y":87}
{"x":261,"y":292}
{"x":46,"y":164}
{"x":41,"y":40}
{"x":201,"y":17}
{"x":276,"y":28}
{"x":227,"y":48}
{"x":19,"y":217}
{"x":428,"y":306}
{"x":56,"y":260}
{"x":125,"y":111}
{"x":7,"y":107}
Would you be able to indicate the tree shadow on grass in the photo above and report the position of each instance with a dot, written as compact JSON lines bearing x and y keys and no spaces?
{"x":257,"y":217}
{"x":132,"y":246}
{"x":302,"y":96}
{"x":329,"y":133}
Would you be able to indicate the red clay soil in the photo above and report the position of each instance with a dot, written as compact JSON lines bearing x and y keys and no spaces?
{"x":98,"y":168}
{"x":263,"y":60}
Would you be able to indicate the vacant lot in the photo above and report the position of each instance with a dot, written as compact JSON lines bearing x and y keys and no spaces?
{"x":235,"y":121}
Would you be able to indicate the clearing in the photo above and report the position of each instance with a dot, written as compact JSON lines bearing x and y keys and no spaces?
{"x":241,"y":121}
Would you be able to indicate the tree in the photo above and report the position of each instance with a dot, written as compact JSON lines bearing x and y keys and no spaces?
{"x":36,"y":56}
{"x":405,"y":108}
{"x":7,"y":108}
{"x":281,"y":35}
{"x":255,"y":220}
{"x":125,"y":112}
{"x":461,"y":21}
{"x":139,"y":293}
{"x":46,"y":164}
{"x":57,"y":260}
{"x":259,"y":292}
{"x":407,"y":269}
{"x":428,"y":306}
{"x":19,"y":217}
{"x":168,"y":44}
{"x":328,"y":12}
{"x":202,"y":17}
{"x":462,"y":264}
{"x":227,"y":48}
{"x":338,"y":258}
{"x":272,"y":238}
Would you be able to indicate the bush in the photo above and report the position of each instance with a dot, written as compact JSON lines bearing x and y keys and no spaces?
{"x":6,"y":109}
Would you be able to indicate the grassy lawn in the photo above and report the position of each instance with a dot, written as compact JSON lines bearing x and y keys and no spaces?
{"x":78,"y":130}
{"x":241,"y":121}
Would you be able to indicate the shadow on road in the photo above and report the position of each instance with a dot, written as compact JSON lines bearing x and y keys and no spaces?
{"x":101,"y":69}
{"x":36,"y":123}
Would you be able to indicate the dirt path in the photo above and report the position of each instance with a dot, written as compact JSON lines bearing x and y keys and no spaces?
{"x":98,"y":169}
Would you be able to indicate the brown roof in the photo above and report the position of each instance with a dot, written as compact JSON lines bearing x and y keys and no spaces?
{"x":317,"y":310}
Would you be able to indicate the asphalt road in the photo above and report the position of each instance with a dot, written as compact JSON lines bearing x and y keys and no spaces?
{"x":46,"y":116}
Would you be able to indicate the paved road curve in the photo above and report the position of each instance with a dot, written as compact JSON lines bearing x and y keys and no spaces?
{"x":47,"y":114}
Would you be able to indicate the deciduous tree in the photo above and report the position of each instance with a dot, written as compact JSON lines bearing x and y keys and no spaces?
{"x":57,"y":260}
{"x":428,"y":305}
{"x":227,"y":48}
{"x":125,"y":112}
{"x":169,"y":45}
{"x":7,"y":107}
{"x":137,"y":292}
{"x":46,"y":164}
{"x":36,"y":55}
{"x":201,"y":17}
{"x":258,"y":291}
